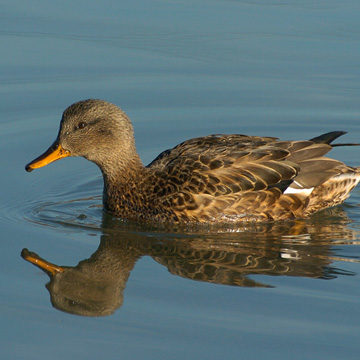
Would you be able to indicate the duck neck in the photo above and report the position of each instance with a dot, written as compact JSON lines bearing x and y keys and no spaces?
{"x":121,"y":177}
{"x":121,"y":171}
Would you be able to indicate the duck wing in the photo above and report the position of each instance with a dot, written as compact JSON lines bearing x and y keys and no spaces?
{"x":227,"y":164}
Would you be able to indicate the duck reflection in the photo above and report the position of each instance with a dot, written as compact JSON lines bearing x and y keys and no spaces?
{"x":96,"y":285}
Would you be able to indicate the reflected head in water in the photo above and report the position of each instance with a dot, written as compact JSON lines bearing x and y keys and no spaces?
{"x":211,"y":179}
{"x":82,"y":290}
{"x":95,"y":286}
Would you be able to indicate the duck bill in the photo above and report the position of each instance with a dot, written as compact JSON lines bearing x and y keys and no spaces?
{"x":44,"y":265}
{"x":53,"y":153}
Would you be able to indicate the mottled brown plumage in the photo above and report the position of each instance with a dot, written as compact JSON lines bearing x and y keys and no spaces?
{"x":211,"y":179}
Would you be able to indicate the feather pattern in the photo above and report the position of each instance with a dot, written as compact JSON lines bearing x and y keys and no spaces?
{"x":213,"y":179}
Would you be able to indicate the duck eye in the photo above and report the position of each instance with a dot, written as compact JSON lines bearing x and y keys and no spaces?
{"x":81,"y":125}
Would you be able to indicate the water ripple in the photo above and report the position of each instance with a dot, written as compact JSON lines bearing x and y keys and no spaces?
{"x":85,"y":213}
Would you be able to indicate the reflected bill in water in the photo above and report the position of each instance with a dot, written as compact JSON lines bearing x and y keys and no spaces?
{"x":96,"y":285}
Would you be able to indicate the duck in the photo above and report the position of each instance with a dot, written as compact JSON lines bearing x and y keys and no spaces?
{"x":214,"y":179}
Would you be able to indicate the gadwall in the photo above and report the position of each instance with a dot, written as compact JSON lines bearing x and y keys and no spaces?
{"x":211,"y":179}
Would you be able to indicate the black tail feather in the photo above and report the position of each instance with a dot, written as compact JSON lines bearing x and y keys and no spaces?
{"x":345,"y":144}
{"x":328,"y":138}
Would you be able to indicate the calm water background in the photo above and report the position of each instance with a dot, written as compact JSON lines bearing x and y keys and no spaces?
{"x":179,"y":69}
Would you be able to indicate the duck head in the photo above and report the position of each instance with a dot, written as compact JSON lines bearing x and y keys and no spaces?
{"x":94,"y":129}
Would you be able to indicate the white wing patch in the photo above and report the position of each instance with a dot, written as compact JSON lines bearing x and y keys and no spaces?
{"x":339,"y":179}
{"x":304,"y":192}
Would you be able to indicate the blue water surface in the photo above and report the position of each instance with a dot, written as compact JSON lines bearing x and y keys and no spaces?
{"x":179,"y":69}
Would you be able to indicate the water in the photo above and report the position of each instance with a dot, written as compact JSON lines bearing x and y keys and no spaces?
{"x":179,"y":69}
